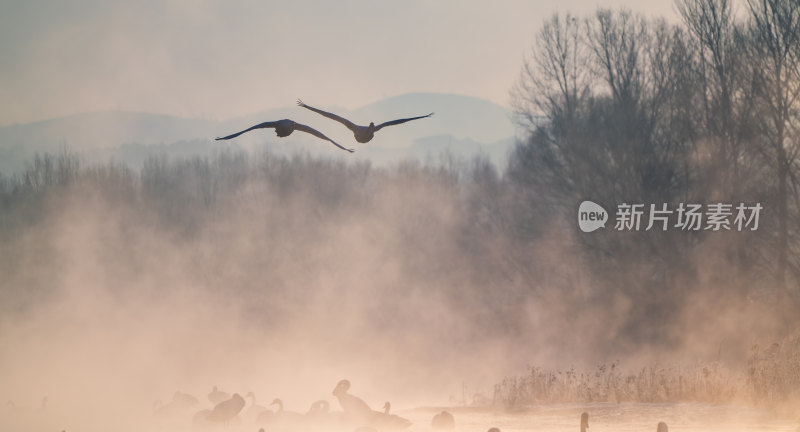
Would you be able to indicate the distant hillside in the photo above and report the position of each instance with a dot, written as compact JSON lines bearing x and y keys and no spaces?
{"x":462,"y":125}
{"x":104,"y":129}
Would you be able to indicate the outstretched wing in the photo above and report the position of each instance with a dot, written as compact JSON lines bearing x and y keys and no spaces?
{"x":398,"y":121}
{"x":318,"y":134}
{"x":350,"y":125}
{"x":271,"y":124}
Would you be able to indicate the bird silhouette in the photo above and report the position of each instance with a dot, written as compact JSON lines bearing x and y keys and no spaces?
{"x":180,"y":403}
{"x":443,"y":420}
{"x":384,"y":421}
{"x":284,"y":128}
{"x":355,"y":409}
{"x":319,"y":417}
{"x":184,"y":399}
{"x":200,"y":418}
{"x":216,"y":396}
{"x":254,"y":410}
{"x":283,"y":418}
{"x":363,"y":134}
{"x":225,"y":411}
{"x":319,"y":407}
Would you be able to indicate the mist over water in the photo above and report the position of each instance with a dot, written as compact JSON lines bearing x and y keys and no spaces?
{"x":282,"y":276}
{"x":275,"y":276}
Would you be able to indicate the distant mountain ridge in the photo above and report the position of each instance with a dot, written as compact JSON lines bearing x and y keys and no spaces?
{"x":99,"y":136}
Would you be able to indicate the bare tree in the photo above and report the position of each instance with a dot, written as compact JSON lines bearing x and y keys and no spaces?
{"x":554,"y":81}
{"x":775,"y":30}
{"x":617,"y":40}
{"x":727,"y":94}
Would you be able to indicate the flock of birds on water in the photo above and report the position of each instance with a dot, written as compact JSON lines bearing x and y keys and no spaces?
{"x":356,"y":415}
{"x":285,"y":127}
{"x":228,"y":409}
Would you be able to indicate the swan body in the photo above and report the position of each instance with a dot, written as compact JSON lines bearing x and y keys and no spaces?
{"x":180,"y":402}
{"x":254,"y":410}
{"x":216,"y":396}
{"x":354,"y":408}
{"x":443,"y":420}
{"x":225,"y":411}
{"x":319,"y":417}
{"x":384,"y":420}
{"x":362,"y":134}
{"x":285,"y":419}
{"x":200,"y":418}
{"x":319,"y":407}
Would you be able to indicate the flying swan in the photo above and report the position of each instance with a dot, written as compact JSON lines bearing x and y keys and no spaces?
{"x":284,"y":128}
{"x":363,"y":134}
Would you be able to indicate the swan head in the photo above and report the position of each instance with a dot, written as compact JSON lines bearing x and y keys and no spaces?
{"x":342,"y":387}
{"x":371,"y":126}
{"x":494,"y":429}
{"x":585,"y":420}
{"x":662,"y":427}
{"x":387,"y":406}
{"x":277,"y":401}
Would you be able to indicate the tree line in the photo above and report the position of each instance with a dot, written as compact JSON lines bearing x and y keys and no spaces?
{"x":624,"y":109}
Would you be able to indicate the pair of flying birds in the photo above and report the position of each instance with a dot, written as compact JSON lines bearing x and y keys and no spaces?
{"x":285,"y":127}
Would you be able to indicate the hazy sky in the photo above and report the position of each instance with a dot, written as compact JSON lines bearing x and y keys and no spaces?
{"x":219,"y":59}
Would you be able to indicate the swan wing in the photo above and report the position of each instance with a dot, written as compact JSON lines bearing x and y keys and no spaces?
{"x":318,"y":134}
{"x":271,"y":124}
{"x":350,"y":125}
{"x":399,"y":121}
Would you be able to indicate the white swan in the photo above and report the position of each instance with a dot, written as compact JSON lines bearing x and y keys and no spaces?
{"x":385,"y":421}
{"x":285,"y":418}
{"x":225,"y":411}
{"x":363,"y":134}
{"x":254,"y":410}
{"x":216,"y":396}
{"x":443,"y":420}
{"x":354,"y":408}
